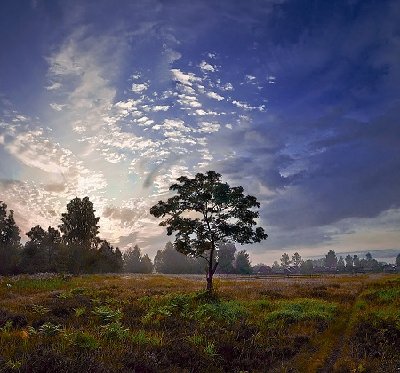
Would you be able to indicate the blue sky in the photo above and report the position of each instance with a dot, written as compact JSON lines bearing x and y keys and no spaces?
{"x":298,"y":101}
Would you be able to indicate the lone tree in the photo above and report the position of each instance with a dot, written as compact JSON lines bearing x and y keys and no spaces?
{"x":207,"y":212}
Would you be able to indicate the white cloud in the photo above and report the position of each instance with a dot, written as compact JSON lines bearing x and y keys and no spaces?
{"x":246,"y":106}
{"x":173,"y":125}
{"x":186,"y":79}
{"x":203,"y":112}
{"x":57,"y":107}
{"x":53,"y":86}
{"x":144,"y":121}
{"x":190,"y":101}
{"x":227,"y":87}
{"x":33,"y":149}
{"x":129,"y":104}
{"x":250,"y":78}
{"x":209,"y":127}
{"x":206,"y":67}
{"x":160,"y":108}
{"x":139,"y":87}
{"x":215,"y":96}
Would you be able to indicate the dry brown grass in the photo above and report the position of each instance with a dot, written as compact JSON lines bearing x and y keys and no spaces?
{"x":155,"y":323}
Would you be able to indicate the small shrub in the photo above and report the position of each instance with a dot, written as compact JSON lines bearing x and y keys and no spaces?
{"x":221,"y":311}
{"x":114,"y":331}
{"x":80,"y":311}
{"x":64,"y":295}
{"x":78,"y":291}
{"x":106,"y":314}
{"x":209,"y":349}
{"x":143,"y":338}
{"x":83,"y":340}
{"x":49,"y":329}
{"x":14,"y":364}
{"x":31,"y":330}
{"x":7,"y":327}
{"x":197,"y":339}
{"x":40,"y":310}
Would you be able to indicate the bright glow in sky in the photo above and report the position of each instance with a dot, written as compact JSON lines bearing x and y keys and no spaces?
{"x":297,"y":101}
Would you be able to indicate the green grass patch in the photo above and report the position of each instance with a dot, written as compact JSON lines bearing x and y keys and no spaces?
{"x":36,"y":285}
{"x":193,"y":306}
{"x":302,"y":309}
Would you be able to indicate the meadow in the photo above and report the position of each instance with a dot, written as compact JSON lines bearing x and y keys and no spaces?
{"x":159,"y":323}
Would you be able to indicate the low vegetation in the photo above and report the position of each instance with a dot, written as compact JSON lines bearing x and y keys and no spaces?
{"x":153,"y":323}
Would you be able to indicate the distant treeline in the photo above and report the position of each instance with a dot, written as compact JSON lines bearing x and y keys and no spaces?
{"x":74,"y":247}
{"x":328,"y":264}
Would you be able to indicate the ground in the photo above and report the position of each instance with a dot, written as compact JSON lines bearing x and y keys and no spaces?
{"x":156,"y":323}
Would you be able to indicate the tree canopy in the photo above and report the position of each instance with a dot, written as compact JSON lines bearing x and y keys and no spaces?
{"x":79,"y":223}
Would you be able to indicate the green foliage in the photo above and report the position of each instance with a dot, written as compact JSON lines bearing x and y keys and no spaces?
{"x":384,"y":295}
{"x":210,"y":350}
{"x":107,"y":314}
{"x":32,"y":331}
{"x":195,"y":307}
{"x":114,"y":331}
{"x":143,"y":338}
{"x":197,"y":339}
{"x":49,"y":329}
{"x":300,"y":310}
{"x":83,"y":340}
{"x":38,"y":285}
{"x":14,"y":364}
{"x":39,"y":309}
{"x":80,"y":311}
{"x":7,"y":326}
{"x":229,"y":311}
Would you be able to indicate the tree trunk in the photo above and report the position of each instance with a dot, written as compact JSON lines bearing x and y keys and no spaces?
{"x":212,"y":267}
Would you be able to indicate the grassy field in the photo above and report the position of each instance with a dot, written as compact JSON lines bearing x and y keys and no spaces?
{"x":154,"y":323}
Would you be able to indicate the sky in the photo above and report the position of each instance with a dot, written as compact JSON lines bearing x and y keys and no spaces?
{"x":298,"y":101}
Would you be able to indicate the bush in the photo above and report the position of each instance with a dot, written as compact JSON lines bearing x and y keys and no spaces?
{"x":106,"y":314}
{"x":114,"y":331}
